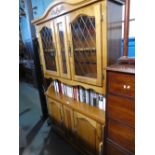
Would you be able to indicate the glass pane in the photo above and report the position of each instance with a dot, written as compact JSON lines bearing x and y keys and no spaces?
{"x":48,"y":48}
{"x":84,"y":46}
{"x":62,"y":47}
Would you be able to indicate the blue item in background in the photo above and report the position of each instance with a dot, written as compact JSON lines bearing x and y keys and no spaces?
{"x":131,"y":47}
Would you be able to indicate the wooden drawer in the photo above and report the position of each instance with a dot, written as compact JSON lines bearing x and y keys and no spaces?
{"x":121,"y":84}
{"x":122,"y":109}
{"x":114,"y":150}
{"x":121,"y":134}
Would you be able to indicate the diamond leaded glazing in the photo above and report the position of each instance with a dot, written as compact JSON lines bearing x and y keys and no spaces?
{"x":84,"y":46}
{"x":48,"y":48}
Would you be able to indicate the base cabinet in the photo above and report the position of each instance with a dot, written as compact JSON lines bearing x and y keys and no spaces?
{"x":83,"y":132}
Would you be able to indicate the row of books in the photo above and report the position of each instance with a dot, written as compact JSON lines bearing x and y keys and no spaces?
{"x":81,"y":94}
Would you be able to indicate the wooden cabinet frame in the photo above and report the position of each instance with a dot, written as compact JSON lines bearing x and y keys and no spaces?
{"x":107,"y":14}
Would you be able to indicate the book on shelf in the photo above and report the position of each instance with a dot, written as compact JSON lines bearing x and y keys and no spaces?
{"x":87,"y":93}
{"x":91,"y":97}
{"x":81,"y":94}
{"x":102,"y":102}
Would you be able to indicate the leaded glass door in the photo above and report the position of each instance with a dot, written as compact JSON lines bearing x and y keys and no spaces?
{"x":62,"y":46}
{"x":48,"y":49}
{"x":85,"y":37}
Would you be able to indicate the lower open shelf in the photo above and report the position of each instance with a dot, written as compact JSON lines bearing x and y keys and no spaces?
{"x":90,"y":111}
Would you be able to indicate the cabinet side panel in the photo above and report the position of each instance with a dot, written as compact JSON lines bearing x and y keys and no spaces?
{"x":114,"y":16}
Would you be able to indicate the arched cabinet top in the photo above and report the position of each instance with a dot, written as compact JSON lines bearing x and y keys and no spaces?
{"x":60,"y":7}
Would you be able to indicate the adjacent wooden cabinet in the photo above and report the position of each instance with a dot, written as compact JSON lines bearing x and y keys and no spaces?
{"x":120,"y":112}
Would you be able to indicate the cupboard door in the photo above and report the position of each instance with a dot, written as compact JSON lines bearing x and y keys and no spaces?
{"x":84,"y":27}
{"x":48,"y":50}
{"x":85,"y":133}
{"x":62,"y":46}
{"x":68,"y":120}
{"x":56,"y":113}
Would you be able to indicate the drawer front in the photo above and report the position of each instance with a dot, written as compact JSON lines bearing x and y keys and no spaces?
{"x":121,"y":84}
{"x":121,"y":134}
{"x":122,"y":109}
{"x":111,"y":149}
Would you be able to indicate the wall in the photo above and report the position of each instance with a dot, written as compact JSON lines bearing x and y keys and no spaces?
{"x":41,"y":7}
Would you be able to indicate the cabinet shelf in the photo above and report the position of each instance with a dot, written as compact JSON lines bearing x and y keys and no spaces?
{"x":85,"y":49}
{"x":90,"y":111}
{"x":76,"y":83}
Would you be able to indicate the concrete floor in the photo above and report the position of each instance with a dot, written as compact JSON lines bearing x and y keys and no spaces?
{"x":40,"y":139}
{"x":29,"y":106}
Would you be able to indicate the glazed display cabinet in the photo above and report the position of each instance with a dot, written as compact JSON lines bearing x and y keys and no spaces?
{"x":78,"y":39}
